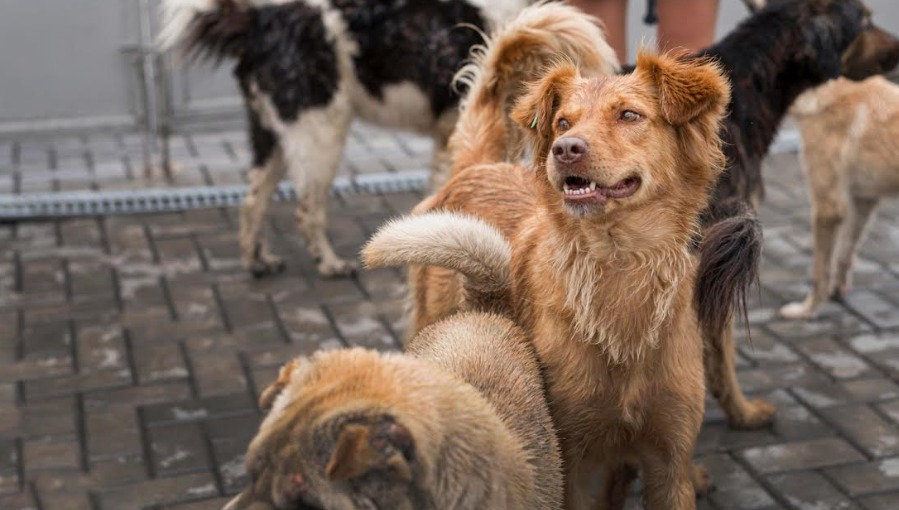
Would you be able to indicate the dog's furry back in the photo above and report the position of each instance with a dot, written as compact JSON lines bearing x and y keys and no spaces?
{"x":512,"y":383}
{"x":541,"y":35}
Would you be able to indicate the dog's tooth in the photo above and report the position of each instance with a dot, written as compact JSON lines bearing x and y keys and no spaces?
{"x":592,"y":186}
{"x":566,"y":189}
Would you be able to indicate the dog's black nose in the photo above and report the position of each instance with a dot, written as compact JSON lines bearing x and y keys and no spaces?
{"x":569,"y":149}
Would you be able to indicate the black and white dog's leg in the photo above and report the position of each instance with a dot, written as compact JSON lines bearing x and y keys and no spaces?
{"x":267,"y":171}
{"x":313,"y":147}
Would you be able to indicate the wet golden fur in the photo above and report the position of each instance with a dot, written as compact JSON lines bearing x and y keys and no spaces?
{"x":460,"y":421}
{"x":606,"y":291}
{"x":850,"y":157}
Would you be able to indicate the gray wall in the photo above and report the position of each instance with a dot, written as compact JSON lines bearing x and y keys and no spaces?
{"x":62,"y":62}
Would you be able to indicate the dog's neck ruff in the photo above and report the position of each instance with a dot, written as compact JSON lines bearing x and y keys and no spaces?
{"x":620,"y":300}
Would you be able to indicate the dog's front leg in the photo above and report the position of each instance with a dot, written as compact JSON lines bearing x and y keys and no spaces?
{"x":580,"y":474}
{"x":264,"y":178}
{"x":617,"y":480}
{"x":669,"y":481}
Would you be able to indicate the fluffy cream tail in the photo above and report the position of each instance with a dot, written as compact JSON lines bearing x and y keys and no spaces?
{"x":454,"y":241}
{"x":516,"y":54}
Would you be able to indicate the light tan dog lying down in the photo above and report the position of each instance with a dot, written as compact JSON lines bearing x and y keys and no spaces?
{"x":850,"y":156}
{"x":460,"y":422}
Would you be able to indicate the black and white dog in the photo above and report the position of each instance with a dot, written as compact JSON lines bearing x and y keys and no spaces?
{"x":308,"y":67}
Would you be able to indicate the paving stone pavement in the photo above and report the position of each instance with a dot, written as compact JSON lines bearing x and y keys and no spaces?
{"x":132,"y":349}
{"x":114,"y":161}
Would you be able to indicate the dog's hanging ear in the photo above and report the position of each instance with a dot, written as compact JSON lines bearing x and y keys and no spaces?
{"x":687,"y":88}
{"x":535,"y":110}
{"x":361,"y":448}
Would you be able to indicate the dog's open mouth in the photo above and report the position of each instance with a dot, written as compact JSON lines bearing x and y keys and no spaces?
{"x":577,"y":189}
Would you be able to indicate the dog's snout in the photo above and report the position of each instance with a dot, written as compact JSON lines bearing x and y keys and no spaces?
{"x":569,"y":149}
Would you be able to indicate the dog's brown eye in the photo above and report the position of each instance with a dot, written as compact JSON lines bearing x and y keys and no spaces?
{"x":630,"y":116}
{"x":564,"y":125}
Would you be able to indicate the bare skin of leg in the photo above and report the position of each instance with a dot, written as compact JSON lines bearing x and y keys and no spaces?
{"x":613,"y":14}
{"x":721,"y":380}
{"x":687,"y":24}
{"x":859,"y":215}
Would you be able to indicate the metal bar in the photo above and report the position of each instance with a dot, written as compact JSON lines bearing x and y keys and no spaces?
{"x":153,"y":200}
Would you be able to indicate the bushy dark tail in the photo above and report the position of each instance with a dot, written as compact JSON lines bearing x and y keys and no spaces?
{"x":215,"y":29}
{"x":728,"y":263}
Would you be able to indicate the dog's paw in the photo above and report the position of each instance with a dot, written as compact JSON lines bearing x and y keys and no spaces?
{"x":702,"y":481}
{"x":755,"y":414}
{"x":797,"y":310}
{"x":336,"y":268}
{"x":266,"y":265}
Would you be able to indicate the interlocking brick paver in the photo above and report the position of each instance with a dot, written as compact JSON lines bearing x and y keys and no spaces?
{"x":133,"y":348}
{"x":808,"y":489}
{"x":798,"y":455}
{"x":869,"y":478}
{"x":734,"y":487}
{"x":865,"y":429}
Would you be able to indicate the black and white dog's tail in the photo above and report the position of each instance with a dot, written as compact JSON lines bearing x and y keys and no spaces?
{"x":215,"y":29}
{"x":514,"y":55}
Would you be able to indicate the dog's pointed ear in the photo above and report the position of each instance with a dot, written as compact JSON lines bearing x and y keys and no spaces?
{"x":386,"y":446}
{"x":535,"y":110}
{"x":687,"y":88}
{"x":269,"y":394}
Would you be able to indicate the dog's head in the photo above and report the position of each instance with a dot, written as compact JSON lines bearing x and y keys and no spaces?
{"x":329,"y":441}
{"x":840,"y":38}
{"x":617,"y":143}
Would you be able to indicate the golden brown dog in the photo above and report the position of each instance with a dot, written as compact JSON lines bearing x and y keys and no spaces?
{"x":459,"y":422}
{"x":593,"y":258}
{"x":850,"y":157}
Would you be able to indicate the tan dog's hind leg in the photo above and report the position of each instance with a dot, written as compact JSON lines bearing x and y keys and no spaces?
{"x":859,"y":215}
{"x":313,"y":147}
{"x":721,"y":379}
{"x":254,"y":249}
{"x":830,"y":201}
{"x":828,"y":212}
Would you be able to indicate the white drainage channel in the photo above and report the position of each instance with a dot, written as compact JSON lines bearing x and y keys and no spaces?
{"x":153,"y":200}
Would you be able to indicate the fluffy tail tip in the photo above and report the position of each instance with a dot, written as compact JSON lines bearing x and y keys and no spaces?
{"x":728,"y":265}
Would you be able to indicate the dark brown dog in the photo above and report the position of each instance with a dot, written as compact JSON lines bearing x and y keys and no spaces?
{"x":787,"y":47}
